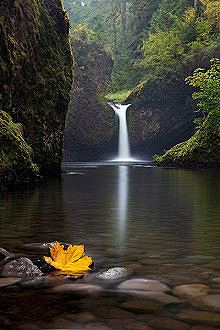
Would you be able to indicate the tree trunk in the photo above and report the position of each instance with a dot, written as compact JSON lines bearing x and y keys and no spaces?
{"x":195,"y":3}
{"x":123,"y":21}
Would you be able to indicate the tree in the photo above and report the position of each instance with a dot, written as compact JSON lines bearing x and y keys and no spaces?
{"x":208,"y":83}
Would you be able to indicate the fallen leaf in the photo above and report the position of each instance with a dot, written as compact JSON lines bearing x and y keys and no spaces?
{"x":73,"y":259}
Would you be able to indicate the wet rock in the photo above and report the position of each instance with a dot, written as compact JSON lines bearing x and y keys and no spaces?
{"x":43,"y":282}
{"x":3,"y":253}
{"x":161,"y":297}
{"x":142,"y":305}
{"x":169,"y":324}
{"x":216,"y":279}
{"x":114,"y":273}
{"x":203,"y":327}
{"x":27,"y":326}
{"x":191,"y":290}
{"x":201,"y":317}
{"x":81,"y":289}
{"x":97,"y":326}
{"x":209,"y":302}
{"x":61,"y":324}
{"x":9,"y":281}
{"x":111,"y":312}
{"x":120,"y":323}
{"x":22,"y":267}
{"x":143,"y":285}
{"x":137,"y":325}
{"x":196,"y":259}
{"x":84,"y":317}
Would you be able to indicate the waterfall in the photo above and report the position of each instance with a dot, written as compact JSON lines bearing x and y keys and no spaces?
{"x":123,"y":144}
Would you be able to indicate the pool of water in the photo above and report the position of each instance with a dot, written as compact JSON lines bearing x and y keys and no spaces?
{"x":161,"y":224}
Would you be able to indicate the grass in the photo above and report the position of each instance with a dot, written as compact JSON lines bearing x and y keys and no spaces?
{"x":119,"y":96}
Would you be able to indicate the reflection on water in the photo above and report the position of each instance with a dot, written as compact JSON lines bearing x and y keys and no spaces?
{"x":123,"y":190}
{"x":156,"y":221}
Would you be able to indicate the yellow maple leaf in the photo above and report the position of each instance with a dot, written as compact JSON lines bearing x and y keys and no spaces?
{"x":73,"y":259}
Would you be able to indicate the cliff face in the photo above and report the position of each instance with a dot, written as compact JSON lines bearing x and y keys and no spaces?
{"x":90,"y":123}
{"x":36,"y":74}
{"x":161,"y":114}
{"x":201,"y":150}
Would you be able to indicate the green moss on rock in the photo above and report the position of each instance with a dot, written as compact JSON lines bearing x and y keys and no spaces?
{"x":90,"y":120}
{"x":16,"y":164}
{"x":201,"y":150}
{"x":36,"y":74}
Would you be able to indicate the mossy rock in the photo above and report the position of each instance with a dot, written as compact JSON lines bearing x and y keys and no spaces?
{"x":16,"y":165}
{"x":202,"y":150}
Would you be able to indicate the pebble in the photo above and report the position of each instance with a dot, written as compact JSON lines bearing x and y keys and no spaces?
{"x":4,"y":254}
{"x":142,"y":305}
{"x":22,"y":267}
{"x":76,"y":289}
{"x":216,"y":279}
{"x":111,"y":312}
{"x":203,"y":327}
{"x":168,"y":324}
{"x":201,"y":317}
{"x":161,"y":297}
{"x":196,"y":259}
{"x":210,"y":302}
{"x":143,"y":285}
{"x":114,"y":273}
{"x":191,"y":290}
{"x":9,"y":281}
{"x":80,"y":317}
{"x":96,"y":326}
{"x":61,"y":324}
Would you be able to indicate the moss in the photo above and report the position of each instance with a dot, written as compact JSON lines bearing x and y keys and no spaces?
{"x":36,"y":74}
{"x":201,"y":150}
{"x":16,"y":164}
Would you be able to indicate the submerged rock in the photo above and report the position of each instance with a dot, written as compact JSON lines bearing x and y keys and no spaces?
{"x":81,"y":289}
{"x":143,"y":285}
{"x":114,"y":273}
{"x":191,"y":290}
{"x":199,"y":317}
{"x":169,"y":324}
{"x":22,"y":267}
{"x":9,"y":281}
{"x":209,"y":302}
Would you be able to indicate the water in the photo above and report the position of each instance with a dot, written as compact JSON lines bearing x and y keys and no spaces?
{"x":161,"y":223}
{"x":123,"y":142}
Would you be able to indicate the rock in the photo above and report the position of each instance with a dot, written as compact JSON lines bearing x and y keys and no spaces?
{"x":111,"y":312}
{"x":61,"y":324}
{"x":9,"y":281}
{"x":80,"y":317}
{"x":4,"y":254}
{"x":143,"y":285}
{"x":142,"y":305}
{"x":209,"y":302}
{"x":84,"y":289}
{"x":216,"y":279}
{"x":161,"y":297}
{"x":28,"y":326}
{"x":169,"y":324}
{"x":201,"y":317}
{"x":44,"y":282}
{"x":196,"y":259}
{"x":203,"y":327}
{"x":137,"y":325}
{"x":113,"y":274}
{"x":191,"y":290}
{"x":97,"y":326}
{"x":22,"y":267}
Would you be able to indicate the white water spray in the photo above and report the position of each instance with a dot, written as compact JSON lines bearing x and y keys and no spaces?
{"x":123,"y":144}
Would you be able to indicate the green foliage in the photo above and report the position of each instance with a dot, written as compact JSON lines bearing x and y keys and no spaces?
{"x":119,"y":96}
{"x":170,"y":45}
{"x":16,"y":154}
{"x":203,"y":148}
{"x":208,"y":83}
